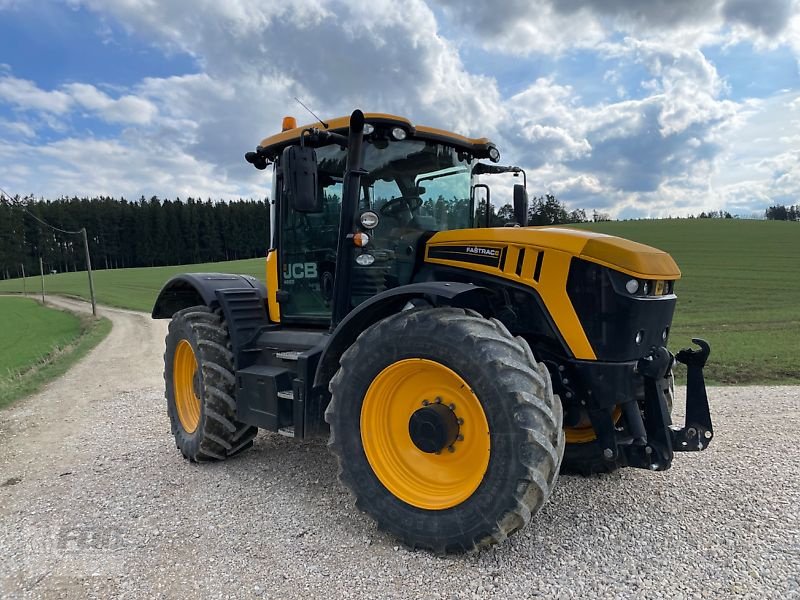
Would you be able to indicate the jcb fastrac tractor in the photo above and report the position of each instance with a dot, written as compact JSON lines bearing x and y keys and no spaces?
{"x":455,"y":367}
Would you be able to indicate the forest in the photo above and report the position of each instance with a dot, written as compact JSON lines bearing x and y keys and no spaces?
{"x":122,"y":233}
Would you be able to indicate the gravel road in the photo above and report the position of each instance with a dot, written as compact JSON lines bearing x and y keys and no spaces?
{"x":95,"y":501}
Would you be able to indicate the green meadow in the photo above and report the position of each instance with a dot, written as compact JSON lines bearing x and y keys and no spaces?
{"x":135,"y":289}
{"x":740,"y":290}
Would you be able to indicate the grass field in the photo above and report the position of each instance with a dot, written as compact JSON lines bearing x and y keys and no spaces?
{"x":39,"y":343}
{"x":740,"y":290}
{"x":128,"y":288}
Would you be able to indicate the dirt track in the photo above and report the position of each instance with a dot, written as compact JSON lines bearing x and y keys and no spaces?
{"x":95,"y":500}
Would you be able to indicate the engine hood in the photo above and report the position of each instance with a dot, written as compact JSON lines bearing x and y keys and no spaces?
{"x":617,"y":253}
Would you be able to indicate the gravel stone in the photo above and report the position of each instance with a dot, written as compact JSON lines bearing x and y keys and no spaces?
{"x":95,"y":501}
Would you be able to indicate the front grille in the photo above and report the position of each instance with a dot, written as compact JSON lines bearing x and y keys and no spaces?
{"x":612,"y":318}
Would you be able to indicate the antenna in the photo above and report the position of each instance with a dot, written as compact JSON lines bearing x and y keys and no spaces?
{"x":324,"y":124}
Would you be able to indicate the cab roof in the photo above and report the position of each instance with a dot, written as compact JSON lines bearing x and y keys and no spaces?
{"x":272,"y":145}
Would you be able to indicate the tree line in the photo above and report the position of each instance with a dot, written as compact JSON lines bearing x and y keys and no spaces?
{"x":542,"y":210}
{"x":124,"y":233}
{"x":157,"y":232}
{"x":779,"y":212}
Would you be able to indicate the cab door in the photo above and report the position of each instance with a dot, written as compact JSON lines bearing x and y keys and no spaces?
{"x":308,"y":259}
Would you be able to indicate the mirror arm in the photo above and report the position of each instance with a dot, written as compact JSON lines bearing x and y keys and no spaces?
{"x":319,"y":136}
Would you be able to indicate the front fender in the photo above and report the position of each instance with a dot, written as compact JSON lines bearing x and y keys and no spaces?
{"x":436,"y":293}
{"x":193,"y":289}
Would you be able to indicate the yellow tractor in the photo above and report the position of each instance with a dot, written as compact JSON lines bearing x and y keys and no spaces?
{"x":457,"y":368}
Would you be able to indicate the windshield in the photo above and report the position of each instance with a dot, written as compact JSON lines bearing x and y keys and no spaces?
{"x":422,"y":183}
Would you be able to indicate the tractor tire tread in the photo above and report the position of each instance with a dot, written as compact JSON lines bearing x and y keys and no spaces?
{"x":534,"y":410}
{"x":219,"y":435}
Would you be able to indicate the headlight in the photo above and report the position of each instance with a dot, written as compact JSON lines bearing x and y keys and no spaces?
{"x":632,"y":286}
{"x":369,"y":219}
{"x":368,"y":128}
{"x":365,"y":260}
{"x":399,"y":133}
{"x":494,"y":154}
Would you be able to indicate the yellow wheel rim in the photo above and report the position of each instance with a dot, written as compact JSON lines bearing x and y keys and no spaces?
{"x":184,"y":373}
{"x":428,"y":480}
{"x":583,"y":433}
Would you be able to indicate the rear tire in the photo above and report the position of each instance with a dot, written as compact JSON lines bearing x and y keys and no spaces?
{"x":500,"y":380}
{"x":200,"y":387}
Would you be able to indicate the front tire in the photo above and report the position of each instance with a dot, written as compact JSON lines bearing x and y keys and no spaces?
{"x":446,"y":429}
{"x":200,"y":387}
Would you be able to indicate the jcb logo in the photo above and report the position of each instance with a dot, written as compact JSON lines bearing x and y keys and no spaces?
{"x":300,"y":271}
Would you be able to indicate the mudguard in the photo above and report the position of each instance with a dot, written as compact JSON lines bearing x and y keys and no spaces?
{"x":434,"y":293}
{"x":192,"y":289}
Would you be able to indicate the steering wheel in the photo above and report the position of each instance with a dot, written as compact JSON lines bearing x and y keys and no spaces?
{"x":395,"y":205}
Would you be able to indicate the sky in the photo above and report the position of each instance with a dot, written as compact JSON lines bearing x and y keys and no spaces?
{"x":636,"y":109}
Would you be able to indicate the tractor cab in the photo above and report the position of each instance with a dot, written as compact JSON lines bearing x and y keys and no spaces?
{"x":411,"y":182}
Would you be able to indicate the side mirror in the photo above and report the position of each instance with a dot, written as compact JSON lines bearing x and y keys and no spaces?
{"x":521,"y":205}
{"x":300,"y":180}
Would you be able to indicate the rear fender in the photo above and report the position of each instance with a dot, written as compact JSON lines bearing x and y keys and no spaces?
{"x":193,"y":289}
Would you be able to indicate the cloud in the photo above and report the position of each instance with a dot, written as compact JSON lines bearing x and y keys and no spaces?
{"x":126,"y":109}
{"x":17,"y":129}
{"x":665,"y":144}
{"x":89,"y":166}
{"x":663,"y":137}
{"x":524,"y":27}
{"x":26,"y":95}
{"x":335,"y":56}
{"x":770,"y":17}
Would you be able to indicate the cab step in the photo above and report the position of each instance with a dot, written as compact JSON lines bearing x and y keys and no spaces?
{"x":287,"y":431}
{"x":286,"y":394}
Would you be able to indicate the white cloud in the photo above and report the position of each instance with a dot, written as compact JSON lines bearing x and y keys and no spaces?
{"x":26,"y":95}
{"x":126,"y":109}
{"x":17,"y":128}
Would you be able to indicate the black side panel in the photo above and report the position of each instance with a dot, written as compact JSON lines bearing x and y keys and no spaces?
{"x":518,"y":306}
{"x":191,"y":289}
{"x":257,"y":400}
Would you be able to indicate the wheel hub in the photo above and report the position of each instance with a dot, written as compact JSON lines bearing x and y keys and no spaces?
{"x":433,"y":428}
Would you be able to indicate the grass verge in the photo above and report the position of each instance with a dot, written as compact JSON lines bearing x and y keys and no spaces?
{"x":26,"y":367}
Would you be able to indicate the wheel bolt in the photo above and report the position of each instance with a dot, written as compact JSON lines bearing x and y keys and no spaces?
{"x":460,"y":421}
{"x":438,"y":400}
{"x":460,"y":438}
{"x":425,"y":403}
{"x":451,"y":406}
{"x":451,"y":448}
